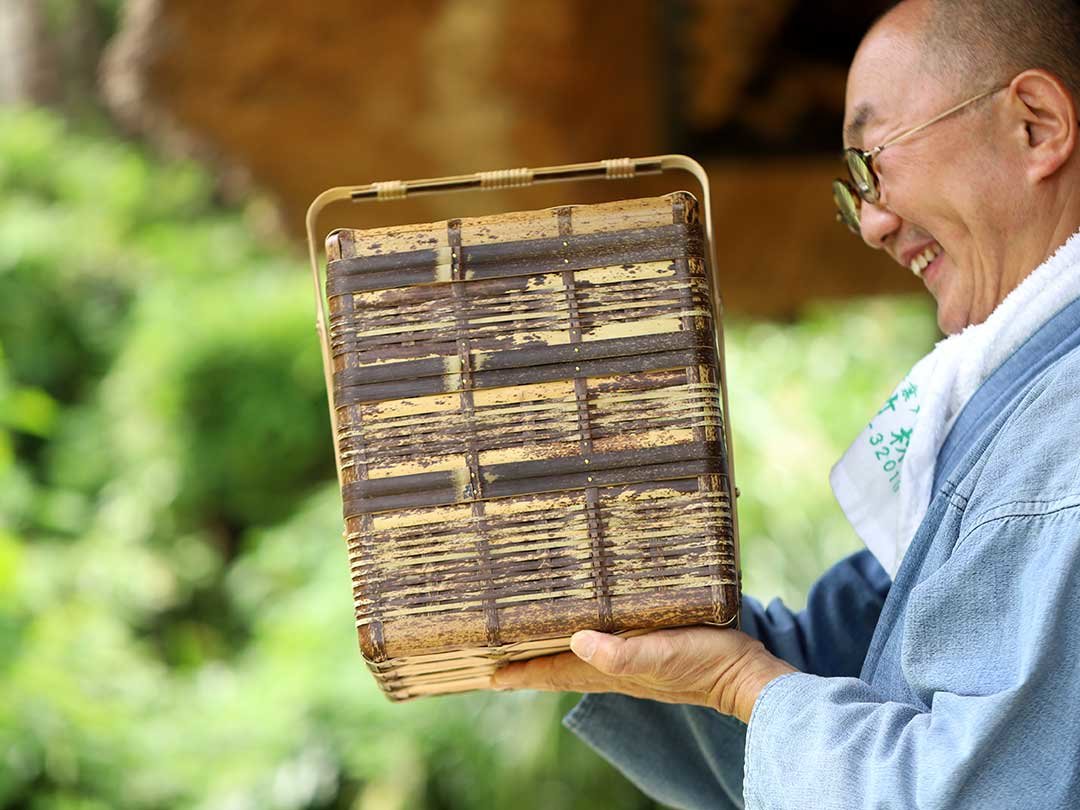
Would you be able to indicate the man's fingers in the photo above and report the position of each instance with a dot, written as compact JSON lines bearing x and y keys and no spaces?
{"x":596,"y":659}
{"x":614,"y":655}
{"x":563,"y":672}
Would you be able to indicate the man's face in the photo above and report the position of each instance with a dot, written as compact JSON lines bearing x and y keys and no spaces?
{"x":942,"y":189}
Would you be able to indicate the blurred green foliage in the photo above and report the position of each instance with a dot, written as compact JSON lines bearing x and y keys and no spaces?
{"x":175,"y":611}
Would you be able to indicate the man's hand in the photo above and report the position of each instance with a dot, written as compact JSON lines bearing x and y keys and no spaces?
{"x":705,"y":666}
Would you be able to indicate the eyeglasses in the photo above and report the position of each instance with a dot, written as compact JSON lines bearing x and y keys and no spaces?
{"x":864,"y":185}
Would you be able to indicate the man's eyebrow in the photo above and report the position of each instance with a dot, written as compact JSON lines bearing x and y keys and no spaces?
{"x":853,"y":132}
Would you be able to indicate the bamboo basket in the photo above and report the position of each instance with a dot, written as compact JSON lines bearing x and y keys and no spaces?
{"x":529,"y":418}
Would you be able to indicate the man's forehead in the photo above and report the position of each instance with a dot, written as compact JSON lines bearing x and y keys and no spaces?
{"x":883,"y":75}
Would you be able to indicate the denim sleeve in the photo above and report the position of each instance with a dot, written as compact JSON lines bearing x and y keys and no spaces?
{"x":692,"y":757}
{"x":990,"y":648}
{"x":830,"y":637}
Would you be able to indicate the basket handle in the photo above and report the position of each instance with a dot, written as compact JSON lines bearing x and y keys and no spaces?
{"x":615,"y":169}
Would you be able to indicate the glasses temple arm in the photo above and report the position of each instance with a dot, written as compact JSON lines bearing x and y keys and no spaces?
{"x":935,"y":119}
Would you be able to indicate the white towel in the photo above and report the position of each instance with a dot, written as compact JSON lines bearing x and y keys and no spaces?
{"x":884,"y":479}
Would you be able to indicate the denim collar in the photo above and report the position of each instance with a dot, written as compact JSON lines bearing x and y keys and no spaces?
{"x":1050,"y":342}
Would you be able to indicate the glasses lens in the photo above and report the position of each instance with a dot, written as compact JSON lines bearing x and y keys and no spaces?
{"x":847,"y":205}
{"x":862,"y":175}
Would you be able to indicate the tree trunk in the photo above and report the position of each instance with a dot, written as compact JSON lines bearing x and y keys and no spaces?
{"x":27,"y":71}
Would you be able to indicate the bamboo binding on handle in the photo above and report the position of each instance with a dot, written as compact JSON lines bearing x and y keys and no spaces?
{"x":622,"y":168}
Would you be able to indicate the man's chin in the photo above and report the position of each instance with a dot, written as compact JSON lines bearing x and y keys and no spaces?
{"x":950,"y":318}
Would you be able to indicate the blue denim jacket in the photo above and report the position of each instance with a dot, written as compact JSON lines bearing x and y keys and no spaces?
{"x":957,"y":685}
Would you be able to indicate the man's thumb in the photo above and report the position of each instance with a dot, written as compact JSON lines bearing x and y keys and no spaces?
{"x":583,"y":643}
{"x":605,"y":652}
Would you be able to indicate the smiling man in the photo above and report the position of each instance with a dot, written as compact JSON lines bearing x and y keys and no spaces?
{"x":937,"y":668}
{"x":960,"y":187}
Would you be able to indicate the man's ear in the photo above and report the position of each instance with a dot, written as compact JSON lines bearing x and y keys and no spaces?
{"x":1045,"y":109}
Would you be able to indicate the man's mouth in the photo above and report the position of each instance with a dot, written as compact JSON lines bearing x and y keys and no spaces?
{"x":919,"y":263}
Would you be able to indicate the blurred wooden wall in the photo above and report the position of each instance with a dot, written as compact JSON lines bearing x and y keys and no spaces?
{"x":295,"y":96}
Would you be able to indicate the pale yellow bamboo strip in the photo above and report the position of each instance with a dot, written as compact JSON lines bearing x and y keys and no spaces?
{"x":554,"y":579}
{"x":391,"y":561}
{"x":416,"y":552}
{"x":606,"y":280}
{"x":567,"y":547}
{"x":536,"y":515}
{"x":503,"y":544}
{"x":494,"y":437}
{"x":561,"y":574}
{"x":491,"y":655}
{"x":671,"y":397}
{"x":478,"y":604}
{"x":513,"y":565}
{"x":510,"y":564}
{"x":683,"y":503}
{"x":475,"y":325}
{"x":533,"y":525}
{"x":677,"y":400}
{"x":382,"y":449}
{"x":681,"y":402}
{"x":705,"y":579}
{"x":686,"y":510}
{"x":551,"y":296}
{"x":622,"y":588}
{"x":481,"y":326}
{"x":585,"y":310}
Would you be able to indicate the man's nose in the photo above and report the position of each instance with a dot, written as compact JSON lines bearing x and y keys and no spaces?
{"x":877,"y":224}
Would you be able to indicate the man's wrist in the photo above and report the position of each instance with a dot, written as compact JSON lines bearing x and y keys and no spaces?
{"x":747,"y":682}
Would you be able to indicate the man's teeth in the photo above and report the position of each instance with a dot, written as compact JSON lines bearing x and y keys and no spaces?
{"x":918,"y":264}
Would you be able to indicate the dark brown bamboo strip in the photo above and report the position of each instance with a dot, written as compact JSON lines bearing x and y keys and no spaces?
{"x":451,"y":382}
{"x":405,"y":260}
{"x":346,"y":276}
{"x":525,"y":357}
{"x":375,"y":634}
{"x":474,"y":489}
{"x":581,"y":396}
{"x":357,"y":505}
{"x":515,"y":472}
{"x":406,"y":276}
{"x":624,"y":475}
{"x":682,"y":213}
{"x":673,"y":238}
{"x":580,"y":251}
{"x":600,"y":462}
{"x":528,"y":291}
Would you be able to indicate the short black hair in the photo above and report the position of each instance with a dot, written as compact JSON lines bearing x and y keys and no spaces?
{"x":983,"y":41}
